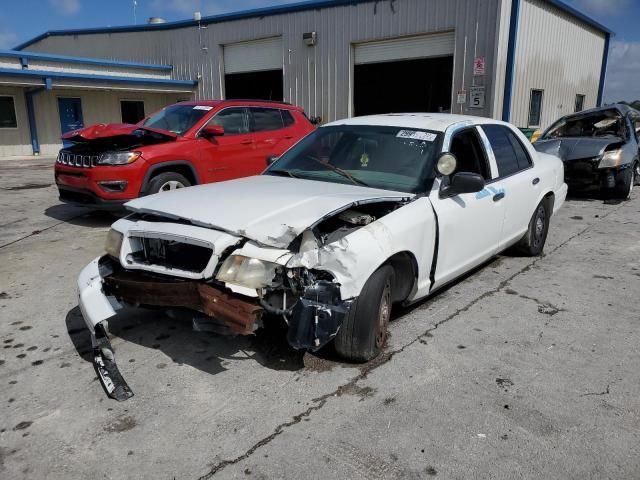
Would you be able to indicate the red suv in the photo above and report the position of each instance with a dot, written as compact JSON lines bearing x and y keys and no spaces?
{"x":181,"y":145}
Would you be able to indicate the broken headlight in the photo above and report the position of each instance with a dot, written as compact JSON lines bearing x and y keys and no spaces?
{"x":113,"y":243}
{"x":247,"y":272}
{"x":611,"y":159}
{"x":118,"y":158}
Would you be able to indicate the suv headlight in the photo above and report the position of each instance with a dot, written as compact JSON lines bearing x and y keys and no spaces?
{"x":118,"y":158}
{"x":113,"y":243}
{"x":247,"y":272}
{"x":610,"y":159}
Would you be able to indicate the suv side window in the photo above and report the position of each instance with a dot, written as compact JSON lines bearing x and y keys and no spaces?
{"x":265,"y":119}
{"x":233,"y":120}
{"x":287,"y":118}
{"x":511,"y":156}
{"x":468,"y":149}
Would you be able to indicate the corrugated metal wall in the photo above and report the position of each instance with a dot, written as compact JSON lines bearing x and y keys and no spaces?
{"x":558,"y":54}
{"x":317,"y":78}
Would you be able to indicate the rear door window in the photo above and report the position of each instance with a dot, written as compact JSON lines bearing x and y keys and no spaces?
{"x":265,"y":119}
{"x":510,"y":154}
{"x":233,"y":120}
{"x":287,"y":118}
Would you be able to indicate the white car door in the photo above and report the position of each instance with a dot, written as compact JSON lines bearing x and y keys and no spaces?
{"x":517,"y":178}
{"x":469,"y":224}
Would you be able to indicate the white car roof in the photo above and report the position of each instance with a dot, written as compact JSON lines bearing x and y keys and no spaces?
{"x":438,"y":122}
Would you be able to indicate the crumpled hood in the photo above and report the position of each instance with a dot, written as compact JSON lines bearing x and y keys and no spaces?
{"x":576,"y":148}
{"x":270,"y":210}
{"x":115,"y":133}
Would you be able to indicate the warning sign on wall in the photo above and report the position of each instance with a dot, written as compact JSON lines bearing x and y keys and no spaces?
{"x":479,"y":66}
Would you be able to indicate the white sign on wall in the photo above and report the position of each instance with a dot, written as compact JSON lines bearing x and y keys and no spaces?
{"x":462,"y":96}
{"x":476,"y":97}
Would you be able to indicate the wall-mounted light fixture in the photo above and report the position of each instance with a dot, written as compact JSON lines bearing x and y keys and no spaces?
{"x":310,"y":38}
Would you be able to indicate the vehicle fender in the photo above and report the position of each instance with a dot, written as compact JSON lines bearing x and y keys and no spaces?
{"x":163,"y":166}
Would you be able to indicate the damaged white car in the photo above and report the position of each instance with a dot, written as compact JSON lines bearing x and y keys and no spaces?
{"x":360,"y":215}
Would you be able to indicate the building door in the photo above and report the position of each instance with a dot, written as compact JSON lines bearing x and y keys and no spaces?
{"x":253,"y":70}
{"x":407,"y":74}
{"x":70,"y":109}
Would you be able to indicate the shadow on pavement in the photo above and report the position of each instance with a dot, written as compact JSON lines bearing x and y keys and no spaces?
{"x":82,"y":216}
{"x":184,"y":346}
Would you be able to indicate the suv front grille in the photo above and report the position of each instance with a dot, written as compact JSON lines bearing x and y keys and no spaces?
{"x":77,"y":160}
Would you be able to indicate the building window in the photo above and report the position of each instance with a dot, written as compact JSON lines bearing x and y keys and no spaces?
{"x":579,"y":103}
{"x":132,"y":110}
{"x":535,"y":108}
{"x":8,"y":113}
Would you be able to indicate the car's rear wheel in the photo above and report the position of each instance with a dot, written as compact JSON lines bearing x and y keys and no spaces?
{"x":533,"y":242}
{"x":167,"y":181}
{"x":364,"y":330}
{"x":624,"y":183}
{"x":636,"y":173}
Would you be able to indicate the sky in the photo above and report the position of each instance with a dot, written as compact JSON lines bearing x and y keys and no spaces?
{"x":21,"y":20}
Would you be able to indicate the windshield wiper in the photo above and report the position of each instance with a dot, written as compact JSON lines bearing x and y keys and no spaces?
{"x":284,"y":172}
{"x":344,"y":173}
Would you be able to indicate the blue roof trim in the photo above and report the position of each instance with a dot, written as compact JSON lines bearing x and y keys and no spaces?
{"x":580,"y":16}
{"x":260,"y":12}
{"x":87,"y":61}
{"x":96,"y":78}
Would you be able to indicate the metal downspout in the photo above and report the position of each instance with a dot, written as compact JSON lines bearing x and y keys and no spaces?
{"x":33,"y":129}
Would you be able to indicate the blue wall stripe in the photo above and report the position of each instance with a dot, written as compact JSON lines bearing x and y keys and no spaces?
{"x":511,"y":57}
{"x":603,"y":71}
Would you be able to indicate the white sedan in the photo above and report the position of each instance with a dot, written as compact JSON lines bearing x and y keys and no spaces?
{"x":360,"y":215}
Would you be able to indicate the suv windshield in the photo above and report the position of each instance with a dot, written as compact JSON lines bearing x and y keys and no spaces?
{"x":177,"y":118}
{"x":597,"y":124}
{"x":390,"y":158}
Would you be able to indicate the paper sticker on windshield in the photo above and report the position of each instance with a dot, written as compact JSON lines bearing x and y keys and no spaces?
{"x":417,"y":135}
{"x":202,"y":107}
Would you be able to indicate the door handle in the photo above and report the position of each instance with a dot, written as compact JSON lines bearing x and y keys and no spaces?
{"x":498,"y":196}
{"x":246,"y":142}
{"x":535,"y":181}
{"x":288,"y":137}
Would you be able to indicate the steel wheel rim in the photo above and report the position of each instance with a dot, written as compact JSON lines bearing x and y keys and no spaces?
{"x":539,"y":226}
{"x":170,"y":185}
{"x":384,"y":313}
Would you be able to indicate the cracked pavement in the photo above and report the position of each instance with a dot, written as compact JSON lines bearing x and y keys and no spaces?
{"x":525,"y":368}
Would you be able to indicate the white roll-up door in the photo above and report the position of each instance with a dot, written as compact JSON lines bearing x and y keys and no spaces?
{"x":424,"y":46}
{"x":253,"y":56}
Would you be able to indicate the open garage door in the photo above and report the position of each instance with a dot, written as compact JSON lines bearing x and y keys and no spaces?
{"x":253,"y":70}
{"x":412,"y":74}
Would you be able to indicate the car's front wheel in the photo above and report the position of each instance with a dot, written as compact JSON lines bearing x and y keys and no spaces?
{"x":624,"y":183}
{"x":533,"y":242}
{"x":167,"y":181}
{"x":364,"y":330}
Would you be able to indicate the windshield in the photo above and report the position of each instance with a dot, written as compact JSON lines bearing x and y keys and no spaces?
{"x":598,"y":124}
{"x":390,"y":158}
{"x":177,"y":118}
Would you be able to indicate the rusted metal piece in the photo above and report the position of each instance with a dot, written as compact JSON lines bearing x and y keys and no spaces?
{"x":238,"y":314}
{"x":143,"y":289}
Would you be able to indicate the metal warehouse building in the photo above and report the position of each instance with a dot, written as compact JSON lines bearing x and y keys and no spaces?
{"x":524,"y":61}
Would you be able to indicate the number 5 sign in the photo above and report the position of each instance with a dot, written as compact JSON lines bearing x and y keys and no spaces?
{"x":476,"y":97}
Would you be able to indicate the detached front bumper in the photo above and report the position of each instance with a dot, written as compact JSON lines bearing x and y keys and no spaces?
{"x":104,"y":287}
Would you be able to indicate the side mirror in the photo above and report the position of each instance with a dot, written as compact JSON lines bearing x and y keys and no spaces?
{"x":271,"y":159}
{"x":315,"y":120}
{"x":461,"y":182}
{"x":212,"y":131}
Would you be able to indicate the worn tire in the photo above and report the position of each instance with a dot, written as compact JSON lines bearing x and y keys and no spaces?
{"x":532,"y":244}
{"x":167,"y":181}
{"x":624,"y":184}
{"x":363,"y":332}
